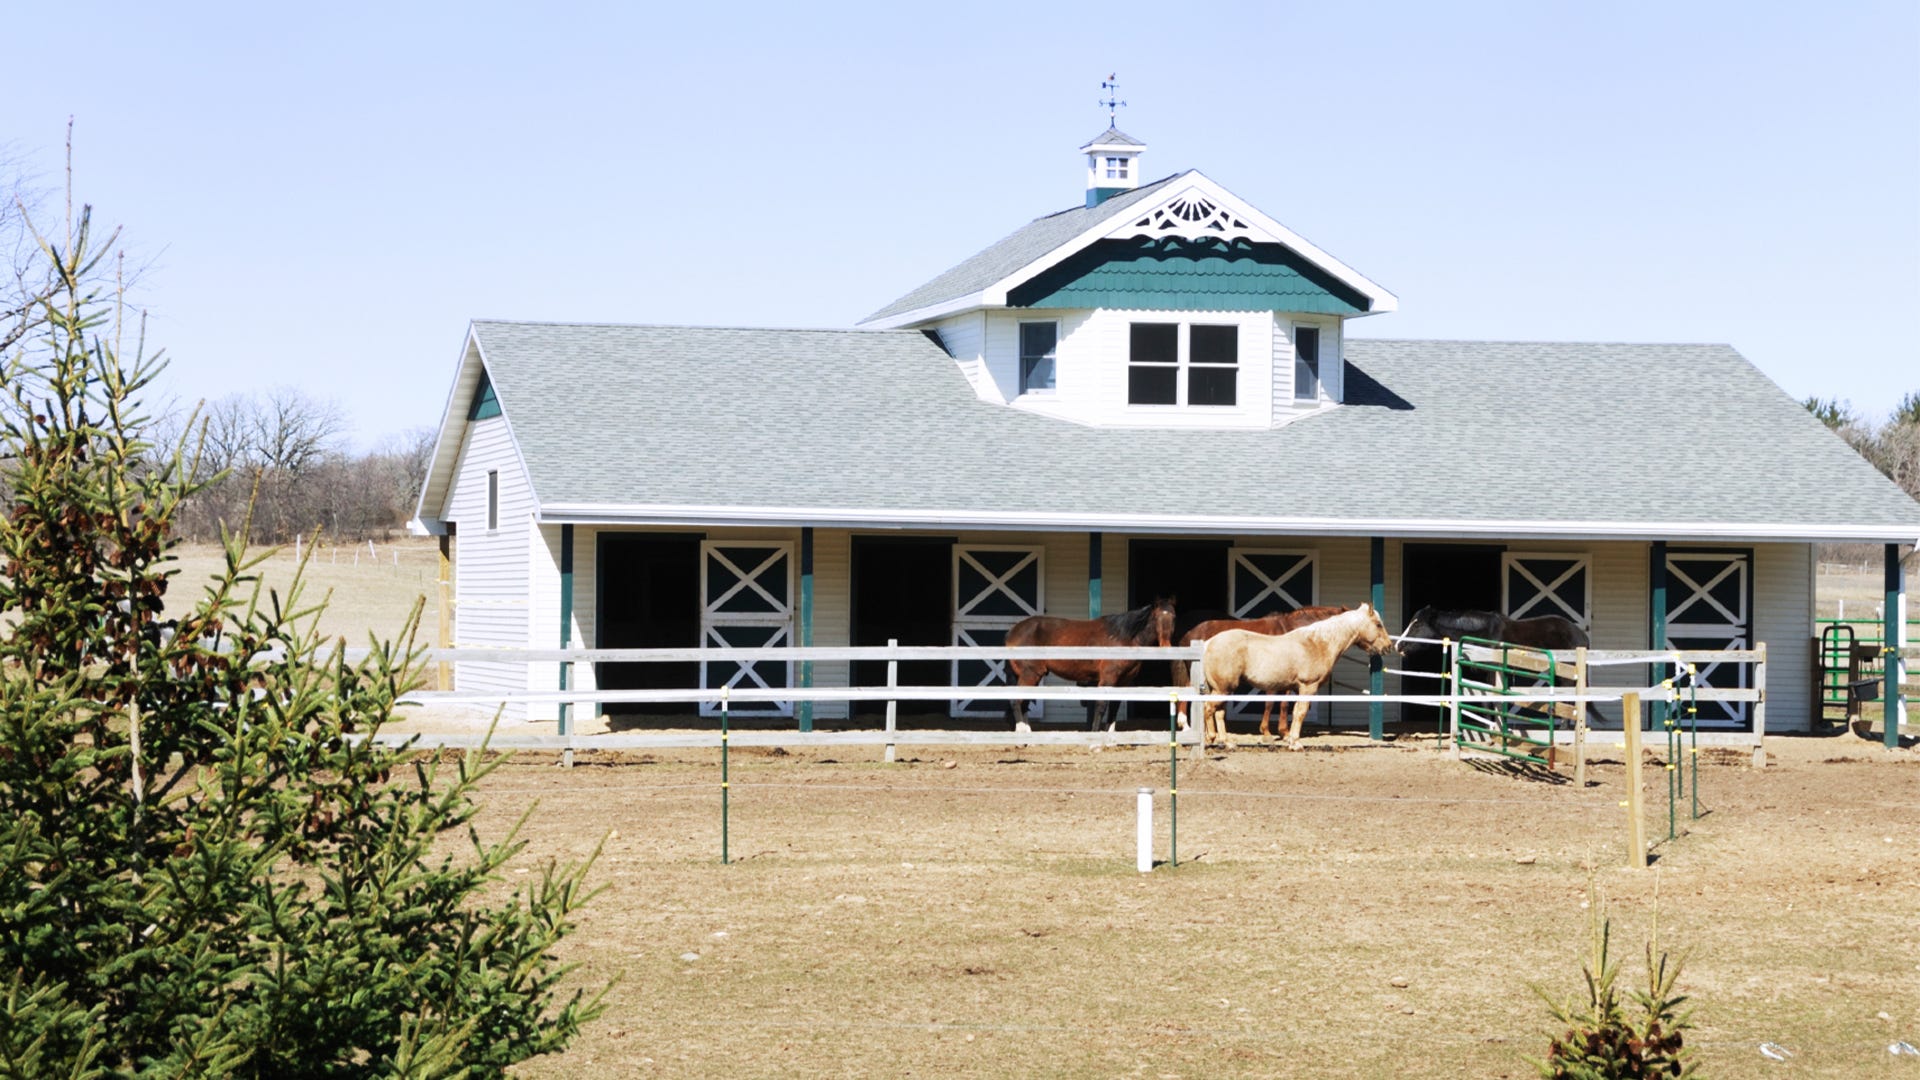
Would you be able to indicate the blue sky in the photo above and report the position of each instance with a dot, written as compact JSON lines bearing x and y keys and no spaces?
{"x":327,"y":194}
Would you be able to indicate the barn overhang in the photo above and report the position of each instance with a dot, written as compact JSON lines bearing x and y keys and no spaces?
{"x":1223,"y":525}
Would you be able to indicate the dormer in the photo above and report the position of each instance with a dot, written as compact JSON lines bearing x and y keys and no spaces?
{"x":1165,"y":304}
{"x":1113,"y":165}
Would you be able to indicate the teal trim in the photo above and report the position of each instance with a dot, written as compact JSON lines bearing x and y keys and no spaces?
{"x":1098,"y":195}
{"x":485,"y":402}
{"x":1376,"y":667}
{"x":1173,"y":274}
{"x":805,"y":708}
{"x":1890,"y":635}
{"x":1093,"y":575}
{"x":566,"y":621}
{"x":1657,"y":616}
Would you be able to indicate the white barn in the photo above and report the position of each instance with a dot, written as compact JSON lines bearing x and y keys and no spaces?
{"x":1150,"y":393}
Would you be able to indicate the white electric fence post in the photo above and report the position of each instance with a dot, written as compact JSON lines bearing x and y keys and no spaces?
{"x":1143,"y":830}
{"x":893,"y":707}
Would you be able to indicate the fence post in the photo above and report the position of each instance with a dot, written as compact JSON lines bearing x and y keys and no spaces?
{"x":725,"y":786}
{"x":893,"y":707}
{"x":1451,"y":658}
{"x":1173,"y":777}
{"x":1580,"y":719}
{"x":1630,"y":727}
{"x":443,"y":671}
{"x":1760,"y":706}
{"x":1143,"y":830}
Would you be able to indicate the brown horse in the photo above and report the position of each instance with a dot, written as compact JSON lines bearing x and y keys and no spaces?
{"x":1148,"y":625}
{"x":1302,"y":659}
{"x":1277,"y":623}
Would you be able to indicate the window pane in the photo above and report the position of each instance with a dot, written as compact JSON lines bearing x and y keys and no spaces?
{"x":1155,"y":343}
{"x":1148,"y":385}
{"x":1306,"y":363}
{"x":1211,"y":385}
{"x":1037,"y":342}
{"x":1215,"y":345}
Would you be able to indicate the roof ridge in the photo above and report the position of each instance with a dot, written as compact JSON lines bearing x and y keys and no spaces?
{"x":688,"y":326}
{"x":1351,"y":338}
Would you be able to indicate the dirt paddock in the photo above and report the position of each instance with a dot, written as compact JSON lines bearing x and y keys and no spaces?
{"x":1351,"y":910}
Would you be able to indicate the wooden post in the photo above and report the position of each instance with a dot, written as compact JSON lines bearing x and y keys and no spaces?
{"x":1580,"y":720}
{"x":805,"y":708}
{"x":1094,"y":575}
{"x":1892,"y":708}
{"x":1450,"y":656}
{"x":1636,"y":828}
{"x":443,"y":671}
{"x":1760,"y":706}
{"x":893,"y":707}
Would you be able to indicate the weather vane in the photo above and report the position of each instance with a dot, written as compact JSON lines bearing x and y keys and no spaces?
{"x":1112,"y":87}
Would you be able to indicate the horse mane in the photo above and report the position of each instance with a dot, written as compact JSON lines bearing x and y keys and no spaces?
{"x":1130,"y":625}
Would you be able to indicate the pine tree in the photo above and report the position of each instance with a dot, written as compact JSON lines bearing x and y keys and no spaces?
{"x":207,"y":865}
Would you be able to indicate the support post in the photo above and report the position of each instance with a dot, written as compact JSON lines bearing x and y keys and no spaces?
{"x":726,"y":787}
{"x":1094,"y":599}
{"x":1636,"y":835}
{"x":1893,"y":709}
{"x":804,"y":707}
{"x":1580,"y":720}
{"x":1657,"y":617}
{"x":1376,"y":667}
{"x":566,"y":634}
{"x":1450,"y":656}
{"x":443,"y":637}
{"x":893,"y":707}
{"x":1760,"y":707}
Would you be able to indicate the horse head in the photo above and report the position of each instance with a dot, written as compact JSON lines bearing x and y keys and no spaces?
{"x":1162,"y":620}
{"x":1421,"y":627}
{"x":1374,"y":636}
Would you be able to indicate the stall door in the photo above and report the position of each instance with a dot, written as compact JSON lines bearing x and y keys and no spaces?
{"x":1268,"y":582}
{"x":1552,"y":584}
{"x":993,"y":588}
{"x":1710,"y":606}
{"x":746,"y":592}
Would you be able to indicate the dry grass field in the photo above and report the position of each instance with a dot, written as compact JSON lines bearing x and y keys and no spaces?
{"x":366,"y":592}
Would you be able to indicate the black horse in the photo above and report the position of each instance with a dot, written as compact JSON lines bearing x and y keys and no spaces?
{"x":1545,"y":632}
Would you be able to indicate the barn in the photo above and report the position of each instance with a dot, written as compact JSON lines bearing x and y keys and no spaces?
{"x":1151,"y":392}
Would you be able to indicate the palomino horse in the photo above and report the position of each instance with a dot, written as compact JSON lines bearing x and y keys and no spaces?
{"x":1148,"y":625}
{"x":1302,"y":659}
{"x":1545,"y":632}
{"x":1278,"y":623}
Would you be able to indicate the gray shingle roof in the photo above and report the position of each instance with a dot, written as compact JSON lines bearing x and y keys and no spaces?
{"x":1113,"y":136}
{"x":883,"y":421}
{"x":1024,"y":245}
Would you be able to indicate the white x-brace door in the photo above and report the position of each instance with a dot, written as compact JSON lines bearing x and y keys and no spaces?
{"x":1709,"y":606}
{"x":746,"y":601}
{"x":1548,"y":583}
{"x":994,"y":587}
{"x":1268,"y":581}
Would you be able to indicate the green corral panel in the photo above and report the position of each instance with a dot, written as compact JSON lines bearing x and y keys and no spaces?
{"x":1183,"y":275}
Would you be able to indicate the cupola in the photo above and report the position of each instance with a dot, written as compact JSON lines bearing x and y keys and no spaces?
{"x":1113,"y":165}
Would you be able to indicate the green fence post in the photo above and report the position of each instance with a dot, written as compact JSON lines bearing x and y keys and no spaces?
{"x":805,"y":706}
{"x":566,"y":630}
{"x":1890,"y":646}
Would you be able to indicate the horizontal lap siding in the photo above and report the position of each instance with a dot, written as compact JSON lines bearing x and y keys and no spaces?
{"x":491,"y":587}
{"x":1783,"y":599}
{"x":832,"y":611}
{"x":964,"y":338}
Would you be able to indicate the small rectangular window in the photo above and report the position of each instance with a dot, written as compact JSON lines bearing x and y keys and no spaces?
{"x":1038,"y":341}
{"x":1153,"y":364}
{"x":1306,"y":363}
{"x":1213,"y":358}
{"x":493,"y":499}
{"x":1116,"y":168}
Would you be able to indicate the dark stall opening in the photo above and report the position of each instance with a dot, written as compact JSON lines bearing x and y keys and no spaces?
{"x":649,"y":598}
{"x":902,"y":589}
{"x":1448,"y":577}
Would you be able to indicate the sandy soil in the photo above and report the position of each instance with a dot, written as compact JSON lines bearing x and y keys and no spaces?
{"x":978,"y":911}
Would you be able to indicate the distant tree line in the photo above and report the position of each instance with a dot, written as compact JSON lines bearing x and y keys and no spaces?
{"x":277,"y":462}
{"x":1893,"y":446}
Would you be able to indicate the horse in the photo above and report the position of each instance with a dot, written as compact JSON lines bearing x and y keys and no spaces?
{"x":1151,"y":624}
{"x":1277,"y":623}
{"x":1302,"y":659}
{"x":1545,"y":632}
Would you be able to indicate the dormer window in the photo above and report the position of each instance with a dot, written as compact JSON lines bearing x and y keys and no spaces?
{"x":1183,"y":364}
{"x":1038,"y":341}
{"x":1116,"y":168}
{"x":1306,"y":363}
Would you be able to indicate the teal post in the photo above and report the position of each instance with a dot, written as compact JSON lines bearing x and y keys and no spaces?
{"x":805,"y":708}
{"x":1657,"y":618}
{"x":1376,"y":667}
{"x":1890,"y":641}
{"x":566,"y":622}
{"x":1093,"y":575}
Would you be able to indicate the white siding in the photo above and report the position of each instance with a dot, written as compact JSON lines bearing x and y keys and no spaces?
{"x":1783,"y":618}
{"x":491,"y":587}
{"x":832,"y":611}
{"x":543,"y":615}
{"x":1091,"y":381}
{"x":965,"y":339}
{"x":1332,"y":364}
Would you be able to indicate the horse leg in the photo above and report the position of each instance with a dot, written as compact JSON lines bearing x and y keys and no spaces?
{"x":1266,"y":713}
{"x":1305,"y":690}
{"x":1023,"y":677}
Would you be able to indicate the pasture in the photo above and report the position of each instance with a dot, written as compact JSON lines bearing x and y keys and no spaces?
{"x":977,"y":911}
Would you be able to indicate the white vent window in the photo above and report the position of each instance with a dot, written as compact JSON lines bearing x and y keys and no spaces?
{"x":1116,"y":168}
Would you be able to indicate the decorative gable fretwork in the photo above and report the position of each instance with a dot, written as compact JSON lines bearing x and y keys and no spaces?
{"x":1191,"y":216}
